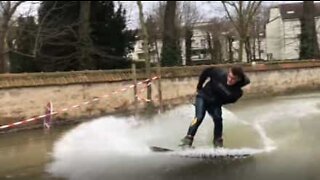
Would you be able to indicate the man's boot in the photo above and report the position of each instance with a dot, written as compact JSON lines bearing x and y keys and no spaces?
{"x":186,"y":142}
{"x":218,"y":142}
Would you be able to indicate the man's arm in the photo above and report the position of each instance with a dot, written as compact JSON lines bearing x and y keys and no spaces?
{"x":233,"y":97}
{"x":220,"y":89}
{"x":203,"y":76}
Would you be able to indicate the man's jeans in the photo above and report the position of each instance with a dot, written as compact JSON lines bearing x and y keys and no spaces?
{"x":201,"y":106}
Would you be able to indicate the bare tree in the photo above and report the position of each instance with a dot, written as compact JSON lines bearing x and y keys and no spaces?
{"x":75,"y":35}
{"x":7,"y":9}
{"x":241,"y":14}
{"x":170,"y":55}
{"x":39,"y":34}
{"x":26,"y":31}
{"x":257,"y":31}
{"x":190,"y":15}
{"x":43,"y":32}
{"x":154,"y":36}
{"x":220,"y":34}
{"x":145,"y":45}
{"x":217,"y":30}
{"x":157,"y":16}
{"x":154,"y":23}
{"x":186,"y":16}
{"x":37,"y":44}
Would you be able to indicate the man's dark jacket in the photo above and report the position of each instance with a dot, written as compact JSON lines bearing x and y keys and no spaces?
{"x":216,"y":89}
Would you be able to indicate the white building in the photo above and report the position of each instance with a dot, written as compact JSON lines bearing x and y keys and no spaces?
{"x":199,"y":44}
{"x":138,"y":52}
{"x":283,"y":31}
{"x":199,"y":47}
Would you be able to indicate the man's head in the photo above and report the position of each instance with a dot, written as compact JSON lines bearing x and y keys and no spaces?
{"x":235,"y":75}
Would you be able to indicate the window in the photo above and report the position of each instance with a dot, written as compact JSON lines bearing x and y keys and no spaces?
{"x":141,"y":45}
{"x":290,"y":12}
{"x":203,"y":43}
{"x":194,"y":53}
{"x":140,"y":55}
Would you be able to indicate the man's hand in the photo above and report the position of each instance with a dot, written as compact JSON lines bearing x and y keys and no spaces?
{"x":197,"y":92}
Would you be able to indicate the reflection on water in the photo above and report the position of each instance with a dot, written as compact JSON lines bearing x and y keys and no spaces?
{"x":281,"y":132}
{"x":23,"y":154}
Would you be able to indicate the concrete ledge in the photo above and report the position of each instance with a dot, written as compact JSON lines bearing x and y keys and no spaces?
{"x":88,"y":77}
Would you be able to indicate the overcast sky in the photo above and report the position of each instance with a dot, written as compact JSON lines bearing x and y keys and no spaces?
{"x":209,"y":9}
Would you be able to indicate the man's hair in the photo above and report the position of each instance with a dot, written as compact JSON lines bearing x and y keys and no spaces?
{"x":238,"y":71}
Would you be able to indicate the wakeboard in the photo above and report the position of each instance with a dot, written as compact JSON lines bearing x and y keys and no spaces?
{"x":207,"y":153}
{"x":163,"y":149}
{"x":160,"y":149}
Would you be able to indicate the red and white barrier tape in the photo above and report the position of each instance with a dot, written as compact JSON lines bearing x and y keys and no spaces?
{"x":143,"y":90}
{"x":75,"y":106}
{"x":47,"y":121}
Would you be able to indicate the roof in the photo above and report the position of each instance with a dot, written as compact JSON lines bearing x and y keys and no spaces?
{"x":295,"y":10}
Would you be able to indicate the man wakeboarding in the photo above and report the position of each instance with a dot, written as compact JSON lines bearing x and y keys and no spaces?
{"x":224,"y":87}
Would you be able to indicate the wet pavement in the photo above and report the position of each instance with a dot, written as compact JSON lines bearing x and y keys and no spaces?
{"x":280,"y":133}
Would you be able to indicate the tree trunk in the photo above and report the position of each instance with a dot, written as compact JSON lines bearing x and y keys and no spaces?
{"x":259,"y":47}
{"x":8,"y":9}
{"x":188,"y":45}
{"x":254,"y":49}
{"x":217,"y":50}
{"x":2,"y":51}
{"x":4,"y":54}
{"x":170,"y":55}
{"x":309,"y":47}
{"x":84,"y":35}
{"x":157,"y":51}
{"x":241,"y":43}
{"x":248,"y":49}
{"x":230,"y":40}
{"x":159,"y":85}
{"x":145,"y":46}
{"x":210,"y":48}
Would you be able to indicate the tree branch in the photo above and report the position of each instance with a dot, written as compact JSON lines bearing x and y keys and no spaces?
{"x":229,"y":15}
{"x":14,"y":8}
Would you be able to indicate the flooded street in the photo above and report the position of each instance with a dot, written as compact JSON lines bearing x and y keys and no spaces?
{"x":280,"y":133}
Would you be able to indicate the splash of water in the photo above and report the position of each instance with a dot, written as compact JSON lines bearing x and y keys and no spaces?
{"x":115,"y":138}
{"x":116,"y":145}
{"x":268,"y":143}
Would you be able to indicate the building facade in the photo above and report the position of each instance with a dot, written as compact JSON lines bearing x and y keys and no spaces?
{"x":283,"y":31}
{"x":200,"y":51}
